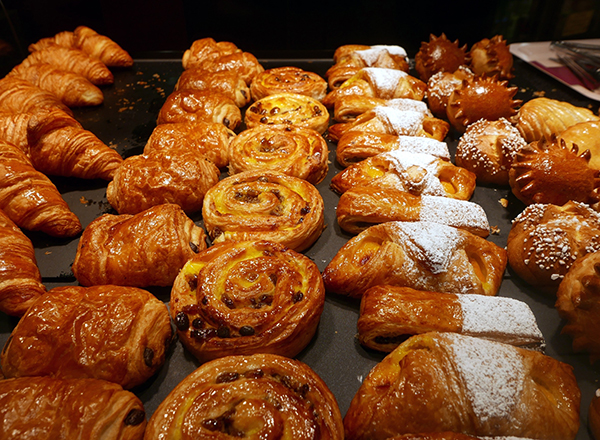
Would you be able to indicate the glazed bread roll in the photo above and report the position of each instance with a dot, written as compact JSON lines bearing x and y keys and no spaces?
{"x":288,"y":79}
{"x":578,"y":301}
{"x":145,"y":249}
{"x":209,"y":139}
{"x":288,"y":109}
{"x":297,"y":151}
{"x":262,"y":395}
{"x":118,"y":334}
{"x":416,"y":173}
{"x":246,"y":297}
{"x":206,"y":49}
{"x":421,"y":255}
{"x":545,"y":240}
{"x":189,"y":105}
{"x":47,"y":407}
{"x":390,"y":314}
{"x":20,"y":278}
{"x":227,"y":83}
{"x":356,"y":146}
{"x":364,"y":206}
{"x":264,"y":205}
{"x":451,"y":382}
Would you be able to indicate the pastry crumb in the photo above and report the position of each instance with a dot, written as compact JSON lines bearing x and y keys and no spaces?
{"x":84,"y":201}
{"x":539,"y":93}
{"x":47,"y":252}
{"x":503,"y":202}
{"x":495,"y":230}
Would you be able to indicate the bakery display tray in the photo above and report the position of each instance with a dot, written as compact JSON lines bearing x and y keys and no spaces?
{"x":126,"y":119}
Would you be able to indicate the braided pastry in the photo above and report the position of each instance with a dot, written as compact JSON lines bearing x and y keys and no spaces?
{"x":245,"y":297}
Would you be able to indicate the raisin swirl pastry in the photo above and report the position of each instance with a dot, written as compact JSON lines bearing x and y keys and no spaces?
{"x":255,"y":396}
{"x":47,"y":407}
{"x":145,"y":249}
{"x":421,"y":255}
{"x":288,"y":79}
{"x":264,"y":205}
{"x":246,"y":297}
{"x":297,"y":151}
{"x":452,"y":382}
{"x":118,"y":334}
{"x":288,"y":109}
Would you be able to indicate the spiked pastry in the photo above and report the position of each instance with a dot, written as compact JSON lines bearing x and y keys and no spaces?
{"x":439,"y":55}
{"x":491,"y":57}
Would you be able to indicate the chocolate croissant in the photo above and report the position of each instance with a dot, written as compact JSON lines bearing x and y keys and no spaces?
{"x":47,"y":407}
{"x":20,"y":279}
{"x":204,"y":50}
{"x":146,"y":249}
{"x":118,"y":334}
{"x":262,"y":395}
{"x":421,"y":255}
{"x":30,"y":199}
{"x":451,"y":382}
{"x":101,"y":47}
{"x":246,"y":297}
{"x":390,"y":314}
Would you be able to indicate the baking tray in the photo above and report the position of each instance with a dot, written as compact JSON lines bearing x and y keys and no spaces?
{"x":541,"y":56}
{"x":126,"y":120}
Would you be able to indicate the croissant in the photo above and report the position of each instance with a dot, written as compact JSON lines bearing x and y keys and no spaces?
{"x":226,"y":82}
{"x":178,"y":176}
{"x":30,"y":199}
{"x":288,"y":79}
{"x":47,"y":407}
{"x":20,"y":279}
{"x":390,"y":314}
{"x":245,"y":297}
{"x":451,"y":382}
{"x":364,"y":206}
{"x":208,"y":139}
{"x":73,"y":89}
{"x":416,"y":173}
{"x":20,"y":96}
{"x":189,"y":105}
{"x":206,"y":49}
{"x":13,"y":129}
{"x":59,"y":145}
{"x":118,"y":334}
{"x":421,"y":255}
{"x":146,"y":249}
{"x":74,"y":60}
{"x":266,"y":205}
{"x":356,"y":146}
{"x":64,"y":38}
{"x":261,"y":395}
{"x":439,"y":54}
{"x":101,"y":46}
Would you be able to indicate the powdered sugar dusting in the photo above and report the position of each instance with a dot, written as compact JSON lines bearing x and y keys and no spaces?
{"x":371,"y":55}
{"x":512,"y":319}
{"x":418,"y":144}
{"x":408,"y":104}
{"x":391,"y":49}
{"x":384,"y":80}
{"x":426,"y":181}
{"x":453,"y":212}
{"x":400,"y":122}
{"x":493,"y":374}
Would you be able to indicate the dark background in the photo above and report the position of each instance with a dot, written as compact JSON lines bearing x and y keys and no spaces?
{"x":308,"y":28}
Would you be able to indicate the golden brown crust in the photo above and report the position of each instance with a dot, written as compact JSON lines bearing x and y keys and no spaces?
{"x":488,"y":149}
{"x":243,"y":64}
{"x":247,"y":297}
{"x":417,"y":173}
{"x":101,"y":47}
{"x":20,"y":96}
{"x":264,"y":205}
{"x":421,"y":255}
{"x":338,"y":74}
{"x":209,"y":139}
{"x":118,"y":334}
{"x":577,"y":302}
{"x":152,"y":247}
{"x":288,"y":79}
{"x":191,"y":105}
{"x":179,"y":176}
{"x":30,"y":199}
{"x":450,"y":382}
{"x":546,"y":239}
{"x":348,"y":108}
{"x":20,"y":279}
{"x":360,"y":55}
{"x":288,"y":109}
{"x":226,"y":82}
{"x":60,"y":146}
{"x":247,"y":396}
{"x":586,"y":135}
{"x":549,"y":172}
{"x":541,"y":118}
{"x":439,"y":54}
{"x":13,"y":129}
{"x":441,"y":85}
{"x":64,"y":38}
{"x":46,"y":407}
{"x":206,"y":49}
{"x":297,"y":151}
{"x":491,"y":57}
{"x":594,"y":415}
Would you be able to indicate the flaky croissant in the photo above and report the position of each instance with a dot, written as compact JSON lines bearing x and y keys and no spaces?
{"x":20,"y":279}
{"x":30,"y":199}
{"x":101,"y":47}
{"x":146,"y":249}
{"x":13,"y":129}
{"x":64,"y":38}
{"x":20,"y":96}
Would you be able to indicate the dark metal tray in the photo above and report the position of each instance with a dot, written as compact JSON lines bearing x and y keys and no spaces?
{"x":126,"y":120}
